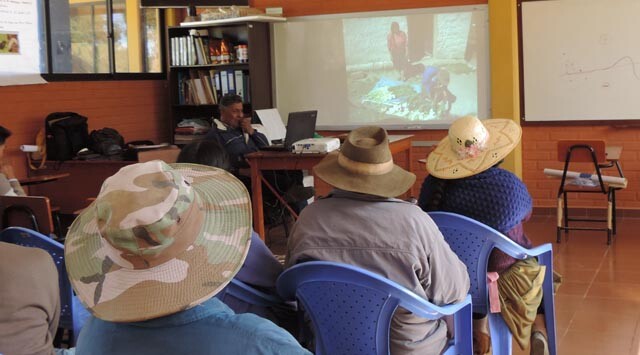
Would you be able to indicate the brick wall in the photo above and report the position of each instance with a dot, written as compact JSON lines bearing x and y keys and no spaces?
{"x":137,"y":109}
{"x":539,"y":152}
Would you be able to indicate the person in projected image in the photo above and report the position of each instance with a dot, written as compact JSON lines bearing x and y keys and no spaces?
{"x":397,"y":46}
{"x":435,"y":88}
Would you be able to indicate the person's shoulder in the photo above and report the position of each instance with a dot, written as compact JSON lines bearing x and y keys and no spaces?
{"x":260,"y":333}
{"x":24,"y":252}
{"x":34,"y":259}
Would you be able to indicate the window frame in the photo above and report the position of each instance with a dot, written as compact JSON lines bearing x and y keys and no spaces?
{"x":113,"y":75}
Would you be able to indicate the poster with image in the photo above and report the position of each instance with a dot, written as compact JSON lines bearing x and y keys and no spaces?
{"x":9,"y":43}
{"x":21,"y":50}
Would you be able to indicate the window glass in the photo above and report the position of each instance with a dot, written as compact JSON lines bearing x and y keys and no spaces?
{"x":80,"y":40}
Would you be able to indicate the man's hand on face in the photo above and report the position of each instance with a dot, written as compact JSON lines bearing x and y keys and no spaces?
{"x":245,"y":124}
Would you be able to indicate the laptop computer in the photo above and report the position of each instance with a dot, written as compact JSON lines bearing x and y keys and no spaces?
{"x":300,"y":125}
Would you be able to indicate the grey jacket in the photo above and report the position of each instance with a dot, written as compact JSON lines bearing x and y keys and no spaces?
{"x":30,"y":300}
{"x":395,"y":239}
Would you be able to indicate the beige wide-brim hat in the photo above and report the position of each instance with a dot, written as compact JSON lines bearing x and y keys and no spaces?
{"x":158,"y":239}
{"x":364,"y":164}
{"x":473,"y":146}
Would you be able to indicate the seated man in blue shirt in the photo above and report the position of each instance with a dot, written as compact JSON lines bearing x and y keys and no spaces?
{"x":148,"y":257}
{"x":234,"y":132}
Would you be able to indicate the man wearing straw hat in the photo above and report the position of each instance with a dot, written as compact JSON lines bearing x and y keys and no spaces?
{"x":147,"y":257}
{"x":361,"y":223}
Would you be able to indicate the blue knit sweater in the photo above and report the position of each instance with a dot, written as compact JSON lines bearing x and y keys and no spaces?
{"x":495,"y":197}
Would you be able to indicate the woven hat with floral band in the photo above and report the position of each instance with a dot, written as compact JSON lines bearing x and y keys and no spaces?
{"x":158,"y":239}
{"x":365,"y":164}
{"x":473,"y":146}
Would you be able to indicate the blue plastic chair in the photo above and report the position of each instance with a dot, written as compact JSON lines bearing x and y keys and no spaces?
{"x":72,"y":313}
{"x":247,"y":294}
{"x":351,"y":308}
{"x":473,"y":242}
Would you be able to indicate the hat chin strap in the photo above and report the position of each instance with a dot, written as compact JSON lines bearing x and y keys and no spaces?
{"x":361,"y":168}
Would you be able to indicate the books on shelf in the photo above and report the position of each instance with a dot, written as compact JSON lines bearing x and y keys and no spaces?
{"x":191,"y":130}
{"x":187,"y":138}
{"x":198,"y":48}
{"x":197,"y":87}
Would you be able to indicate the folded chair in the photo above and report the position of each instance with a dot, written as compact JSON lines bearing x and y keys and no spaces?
{"x":593,"y":153}
{"x":473,"y":242}
{"x":33,"y":212}
{"x":72,"y":313}
{"x":351,"y":308}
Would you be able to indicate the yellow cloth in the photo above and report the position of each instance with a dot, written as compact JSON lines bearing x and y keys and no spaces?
{"x":520,"y":289}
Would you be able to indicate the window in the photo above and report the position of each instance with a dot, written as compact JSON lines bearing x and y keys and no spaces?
{"x":112,"y":37}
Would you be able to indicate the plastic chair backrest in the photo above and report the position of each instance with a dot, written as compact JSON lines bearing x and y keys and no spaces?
{"x":351,"y":308}
{"x":72,"y":314}
{"x":247,"y":294}
{"x":473,"y":242}
{"x":33,"y":212}
{"x":582,"y":155}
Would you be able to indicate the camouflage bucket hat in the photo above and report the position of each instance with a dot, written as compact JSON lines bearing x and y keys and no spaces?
{"x":158,"y":239}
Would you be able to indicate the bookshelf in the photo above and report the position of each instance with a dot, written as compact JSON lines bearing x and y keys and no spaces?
{"x":208,"y":59}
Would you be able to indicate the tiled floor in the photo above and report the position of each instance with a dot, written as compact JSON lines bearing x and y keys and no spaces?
{"x":598,"y":304}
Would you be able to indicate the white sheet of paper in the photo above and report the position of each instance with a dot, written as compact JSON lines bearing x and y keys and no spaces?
{"x":273,"y":126}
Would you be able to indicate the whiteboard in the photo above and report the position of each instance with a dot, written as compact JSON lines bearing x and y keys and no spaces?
{"x":580,"y":60}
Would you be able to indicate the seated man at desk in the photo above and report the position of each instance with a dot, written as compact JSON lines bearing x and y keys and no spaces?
{"x":9,"y":185}
{"x":235,"y":133}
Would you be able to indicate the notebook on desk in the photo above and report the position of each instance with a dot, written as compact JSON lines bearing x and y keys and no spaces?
{"x":300,"y":125}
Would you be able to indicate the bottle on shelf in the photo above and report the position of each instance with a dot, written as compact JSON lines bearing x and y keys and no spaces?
{"x":224,"y":52}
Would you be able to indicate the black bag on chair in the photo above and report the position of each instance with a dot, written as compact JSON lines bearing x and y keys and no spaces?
{"x":66,"y":133}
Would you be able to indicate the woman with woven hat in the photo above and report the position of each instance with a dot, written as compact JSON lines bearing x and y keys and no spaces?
{"x":464,"y":179}
{"x":361,"y":223}
{"x":148,"y":255}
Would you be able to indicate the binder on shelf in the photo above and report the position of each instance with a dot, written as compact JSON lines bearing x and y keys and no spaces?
{"x":239,"y":77}
{"x":216,"y":79}
{"x":232,"y":79}
{"x":224,"y":83}
{"x":174,"y":51}
{"x":213,"y":85}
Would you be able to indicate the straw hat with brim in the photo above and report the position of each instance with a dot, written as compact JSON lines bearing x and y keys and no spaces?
{"x":365,"y":164}
{"x":157,"y":240}
{"x":473,"y":146}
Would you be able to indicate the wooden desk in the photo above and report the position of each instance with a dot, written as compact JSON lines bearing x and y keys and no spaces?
{"x":269,"y":160}
{"x":612,"y":154}
{"x":41,"y":179}
{"x":83,"y":181}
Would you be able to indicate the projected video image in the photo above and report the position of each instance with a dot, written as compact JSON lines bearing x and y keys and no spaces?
{"x":416,"y":67}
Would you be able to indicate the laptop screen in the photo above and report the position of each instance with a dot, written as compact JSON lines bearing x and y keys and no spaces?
{"x":300,"y":125}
